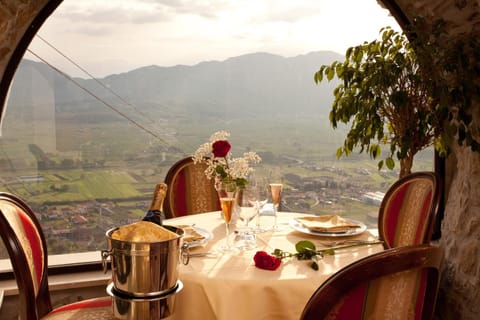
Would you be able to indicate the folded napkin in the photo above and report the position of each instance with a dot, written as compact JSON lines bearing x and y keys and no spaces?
{"x":327,"y":223}
{"x":190,"y":234}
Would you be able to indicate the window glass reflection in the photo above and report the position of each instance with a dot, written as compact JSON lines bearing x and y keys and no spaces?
{"x":86,"y":153}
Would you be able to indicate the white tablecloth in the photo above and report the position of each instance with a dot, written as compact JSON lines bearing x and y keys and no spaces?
{"x":229,"y":286}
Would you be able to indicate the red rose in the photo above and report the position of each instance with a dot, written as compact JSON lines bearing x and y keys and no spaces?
{"x":265,"y":261}
{"x":220,"y":148}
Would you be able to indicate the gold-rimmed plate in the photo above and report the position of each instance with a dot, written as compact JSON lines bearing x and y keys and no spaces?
{"x":296,"y":225}
{"x":201,"y":238}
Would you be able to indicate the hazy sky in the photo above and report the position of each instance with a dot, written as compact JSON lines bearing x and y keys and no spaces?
{"x":114,"y":36}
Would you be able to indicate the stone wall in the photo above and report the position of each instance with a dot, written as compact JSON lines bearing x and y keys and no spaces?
{"x":460,"y":288}
{"x":15,"y":17}
{"x":460,"y":295}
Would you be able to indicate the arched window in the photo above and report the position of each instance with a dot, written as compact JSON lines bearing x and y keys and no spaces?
{"x":110,"y":94}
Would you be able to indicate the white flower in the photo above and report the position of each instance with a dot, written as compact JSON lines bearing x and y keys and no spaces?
{"x":219,"y":135}
{"x":236,"y":169}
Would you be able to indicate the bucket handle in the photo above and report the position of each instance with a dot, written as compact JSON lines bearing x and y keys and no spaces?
{"x":185,"y":254}
{"x":105,"y":255}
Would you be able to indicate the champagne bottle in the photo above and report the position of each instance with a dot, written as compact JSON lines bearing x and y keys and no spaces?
{"x":155,"y":211}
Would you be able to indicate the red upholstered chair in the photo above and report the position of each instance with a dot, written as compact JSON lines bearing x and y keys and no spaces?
{"x":26,"y":246}
{"x":189,"y":190}
{"x":398,"y":283}
{"x":409,"y":209}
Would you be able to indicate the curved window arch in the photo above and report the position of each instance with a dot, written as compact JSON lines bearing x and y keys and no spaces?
{"x":86,"y":156}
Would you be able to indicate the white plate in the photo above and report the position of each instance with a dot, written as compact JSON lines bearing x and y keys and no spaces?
{"x":207,"y":236}
{"x":300,"y":228}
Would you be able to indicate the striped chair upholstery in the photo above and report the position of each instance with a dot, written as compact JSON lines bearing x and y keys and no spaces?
{"x":399,"y":283}
{"x":189,"y":190}
{"x":26,"y":246}
{"x":409,"y":209}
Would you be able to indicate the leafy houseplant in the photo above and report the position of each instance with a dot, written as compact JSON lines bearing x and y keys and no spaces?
{"x":453,"y":63}
{"x":386,"y":101}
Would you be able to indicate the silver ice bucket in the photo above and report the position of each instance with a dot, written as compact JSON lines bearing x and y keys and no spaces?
{"x":152,"y":308}
{"x":143,"y":269}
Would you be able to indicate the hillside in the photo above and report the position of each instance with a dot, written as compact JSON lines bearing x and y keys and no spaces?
{"x":256,"y":84}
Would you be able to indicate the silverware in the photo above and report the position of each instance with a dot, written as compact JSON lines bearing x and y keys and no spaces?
{"x":186,"y":254}
{"x":349,"y":242}
{"x":202,"y":254}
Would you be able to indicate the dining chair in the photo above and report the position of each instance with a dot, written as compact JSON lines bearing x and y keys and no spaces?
{"x":408,"y":211}
{"x":2,"y":293}
{"x":398,"y":283}
{"x":189,"y":190}
{"x":26,"y":245}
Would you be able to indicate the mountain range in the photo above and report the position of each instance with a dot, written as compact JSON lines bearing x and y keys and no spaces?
{"x":257,"y":84}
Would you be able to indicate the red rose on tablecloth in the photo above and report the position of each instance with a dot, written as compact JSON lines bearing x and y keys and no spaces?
{"x":220,"y":148}
{"x":265,"y":261}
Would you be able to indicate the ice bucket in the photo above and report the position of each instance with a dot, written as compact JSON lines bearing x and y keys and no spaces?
{"x":152,"y":308}
{"x":143,"y":269}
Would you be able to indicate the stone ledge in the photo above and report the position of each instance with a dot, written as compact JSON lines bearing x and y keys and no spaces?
{"x":64,"y":282}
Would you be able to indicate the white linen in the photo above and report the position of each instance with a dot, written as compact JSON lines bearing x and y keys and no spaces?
{"x":229,"y":286}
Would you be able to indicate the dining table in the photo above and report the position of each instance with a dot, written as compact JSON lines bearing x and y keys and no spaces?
{"x":228,"y":285}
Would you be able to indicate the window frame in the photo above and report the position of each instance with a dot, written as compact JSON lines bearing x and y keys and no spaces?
{"x":17,"y":54}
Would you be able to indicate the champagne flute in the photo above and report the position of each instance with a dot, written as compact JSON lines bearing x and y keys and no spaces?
{"x":227,"y":201}
{"x":276,"y":193}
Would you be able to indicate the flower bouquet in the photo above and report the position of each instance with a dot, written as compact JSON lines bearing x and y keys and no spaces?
{"x":221,"y":165}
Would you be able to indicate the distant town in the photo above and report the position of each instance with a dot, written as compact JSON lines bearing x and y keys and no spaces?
{"x":81,"y":226}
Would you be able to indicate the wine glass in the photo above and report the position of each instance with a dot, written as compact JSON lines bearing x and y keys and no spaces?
{"x":227,"y":193}
{"x":276,"y":190}
{"x":253,"y":201}
{"x":259,"y":201}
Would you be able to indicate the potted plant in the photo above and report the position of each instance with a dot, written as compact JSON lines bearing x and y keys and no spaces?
{"x":384,"y":98}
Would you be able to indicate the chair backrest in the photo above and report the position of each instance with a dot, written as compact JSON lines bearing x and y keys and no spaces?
{"x":27,"y":248}
{"x":189,"y":190}
{"x":408,"y":211}
{"x":398,"y":283}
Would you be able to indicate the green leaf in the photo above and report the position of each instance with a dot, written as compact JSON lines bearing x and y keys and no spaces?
{"x":318,"y":77}
{"x":380,"y":165}
{"x":278,"y":253}
{"x":304,"y":246}
{"x":390,"y":163}
{"x":339,"y":152}
{"x":241,"y":182}
{"x":330,"y":74}
{"x":220,"y":171}
{"x":359,"y":56}
{"x":339,"y":70}
{"x":375,"y":151}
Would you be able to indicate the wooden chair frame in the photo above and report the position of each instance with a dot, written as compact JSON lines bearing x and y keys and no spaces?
{"x":375,"y":266}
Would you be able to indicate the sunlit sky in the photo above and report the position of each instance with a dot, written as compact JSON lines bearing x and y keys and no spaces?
{"x":113,"y":36}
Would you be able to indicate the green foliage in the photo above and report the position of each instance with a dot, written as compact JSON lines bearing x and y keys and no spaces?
{"x":384,"y":99}
{"x":453,"y":63}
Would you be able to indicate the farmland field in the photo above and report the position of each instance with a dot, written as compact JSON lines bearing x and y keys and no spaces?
{"x":106,"y":172}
